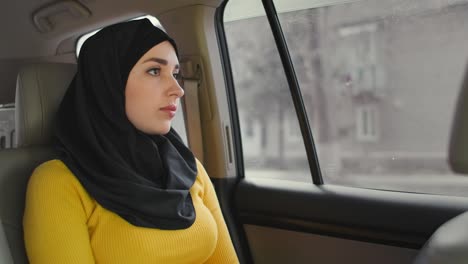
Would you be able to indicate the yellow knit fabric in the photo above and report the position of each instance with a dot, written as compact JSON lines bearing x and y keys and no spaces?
{"x":64,"y":225}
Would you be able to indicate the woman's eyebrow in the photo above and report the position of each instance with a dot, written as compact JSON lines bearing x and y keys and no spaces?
{"x":161,"y":61}
{"x":158,"y":60}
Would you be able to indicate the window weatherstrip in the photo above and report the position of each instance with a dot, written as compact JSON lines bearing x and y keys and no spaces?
{"x":295,"y":90}
{"x":239,"y":238}
{"x":231,"y":93}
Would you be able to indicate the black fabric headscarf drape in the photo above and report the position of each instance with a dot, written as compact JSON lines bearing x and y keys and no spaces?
{"x":143,"y":178}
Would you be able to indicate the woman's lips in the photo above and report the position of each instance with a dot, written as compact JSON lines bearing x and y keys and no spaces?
{"x":170,"y":110}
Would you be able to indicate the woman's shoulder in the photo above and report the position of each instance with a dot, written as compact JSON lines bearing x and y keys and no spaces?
{"x":52,"y":174}
{"x":52,"y":165}
{"x":203,"y":179}
{"x":54,"y":186}
{"x":52,"y":168}
{"x":202,"y":175}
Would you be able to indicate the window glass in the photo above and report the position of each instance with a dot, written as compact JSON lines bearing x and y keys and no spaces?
{"x":9,"y":69}
{"x":271,"y":138}
{"x":379,"y":80}
{"x":7,"y":126}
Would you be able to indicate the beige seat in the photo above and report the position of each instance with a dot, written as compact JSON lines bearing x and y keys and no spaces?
{"x":5,"y":255}
{"x":39,"y":90}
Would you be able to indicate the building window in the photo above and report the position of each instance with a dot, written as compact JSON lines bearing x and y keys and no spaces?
{"x":249,"y":122}
{"x":367,"y":123}
{"x":360,"y":63}
{"x":12,"y":139}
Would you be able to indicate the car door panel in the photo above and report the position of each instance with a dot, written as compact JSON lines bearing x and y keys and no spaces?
{"x":274,"y":245}
{"x":285,"y":219}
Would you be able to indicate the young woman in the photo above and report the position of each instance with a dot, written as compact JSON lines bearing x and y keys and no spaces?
{"x":124,"y":188}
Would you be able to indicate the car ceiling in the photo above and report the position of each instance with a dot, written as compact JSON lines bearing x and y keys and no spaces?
{"x":21,"y":39}
{"x":22,"y":43}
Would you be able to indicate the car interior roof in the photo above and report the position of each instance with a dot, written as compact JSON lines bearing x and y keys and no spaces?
{"x":23,"y":43}
{"x":24,"y":40}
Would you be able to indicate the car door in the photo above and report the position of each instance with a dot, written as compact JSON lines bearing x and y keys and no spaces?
{"x":340,"y":116}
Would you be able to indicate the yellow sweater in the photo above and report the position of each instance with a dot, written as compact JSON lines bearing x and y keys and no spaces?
{"x":64,"y":225}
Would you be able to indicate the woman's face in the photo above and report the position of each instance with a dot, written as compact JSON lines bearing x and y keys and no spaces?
{"x":152,"y":92}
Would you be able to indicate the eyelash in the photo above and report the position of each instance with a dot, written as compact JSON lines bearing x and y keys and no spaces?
{"x":157,"y":71}
{"x":154,"y":71}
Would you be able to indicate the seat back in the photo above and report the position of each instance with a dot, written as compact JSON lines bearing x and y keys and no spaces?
{"x":458,"y":149}
{"x":39,"y":91}
{"x":5,"y":256}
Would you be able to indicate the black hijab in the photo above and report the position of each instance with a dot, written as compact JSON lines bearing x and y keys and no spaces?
{"x":143,"y":178}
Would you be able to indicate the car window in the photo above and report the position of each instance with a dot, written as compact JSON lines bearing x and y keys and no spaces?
{"x":379,"y":80}
{"x":7,"y":126}
{"x":271,"y":139}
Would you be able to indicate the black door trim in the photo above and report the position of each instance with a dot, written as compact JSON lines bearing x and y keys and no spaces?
{"x":295,"y":91}
{"x":384,"y":217}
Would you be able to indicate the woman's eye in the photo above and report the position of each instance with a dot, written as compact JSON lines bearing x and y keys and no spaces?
{"x":154,"y":71}
{"x":176,"y":75}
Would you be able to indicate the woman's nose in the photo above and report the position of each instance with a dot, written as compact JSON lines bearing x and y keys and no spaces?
{"x":176,"y":88}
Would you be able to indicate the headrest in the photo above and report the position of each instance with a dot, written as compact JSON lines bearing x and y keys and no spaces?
{"x":39,"y":91}
{"x":458,"y":150}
